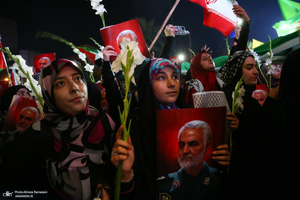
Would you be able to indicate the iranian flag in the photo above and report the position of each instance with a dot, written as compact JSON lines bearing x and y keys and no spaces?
{"x":3,"y":64}
{"x":90,"y":52}
{"x":218,"y":14}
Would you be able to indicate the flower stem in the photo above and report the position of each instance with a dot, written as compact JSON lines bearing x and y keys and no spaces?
{"x":103,"y":20}
{"x":124,"y":116}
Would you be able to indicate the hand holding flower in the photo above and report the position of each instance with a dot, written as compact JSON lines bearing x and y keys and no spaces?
{"x":123,"y":151}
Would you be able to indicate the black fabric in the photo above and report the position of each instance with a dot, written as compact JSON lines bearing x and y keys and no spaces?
{"x":243,"y":39}
{"x":113,"y":95}
{"x":250,"y":142}
{"x":283,"y":156}
{"x":26,"y":167}
{"x":167,"y":48}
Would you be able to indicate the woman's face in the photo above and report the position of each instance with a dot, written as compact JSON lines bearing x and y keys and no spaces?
{"x":166,"y":86}
{"x":70,"y":91}
{"x":277,"y":73}
{"x":250,"y":71}
{"x":207,"y":62}
{"x":23,"y":92}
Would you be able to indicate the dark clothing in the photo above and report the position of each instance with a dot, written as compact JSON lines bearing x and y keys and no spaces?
{"x":283,"y":157}
{"x":180,"y":185}
{"x":250,"y":142}
{"x":167,"y":48}
{"x":243,"y":39}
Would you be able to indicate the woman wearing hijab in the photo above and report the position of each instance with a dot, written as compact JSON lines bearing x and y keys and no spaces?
{"x":250,"y":137}
{"x":158,"y":88}
{"x":203,"y":75}
{"x":73,"y":139}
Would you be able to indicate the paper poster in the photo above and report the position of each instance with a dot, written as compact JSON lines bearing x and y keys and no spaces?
{"x":40,"y":61}
{"x":113,"y":35}
{"x":169,"y":122}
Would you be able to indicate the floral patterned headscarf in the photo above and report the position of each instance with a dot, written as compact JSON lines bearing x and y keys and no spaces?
{"x":157,"y":65}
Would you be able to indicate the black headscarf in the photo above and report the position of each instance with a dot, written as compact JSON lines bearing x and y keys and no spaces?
{"x":8,"y":95}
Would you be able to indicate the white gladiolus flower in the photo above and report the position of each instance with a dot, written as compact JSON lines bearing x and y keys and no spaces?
{"x":269,"y":61}
{"x":239,"y":100}
{"x":95,"y":3}
{"x":272,"y":70}
{"x":75,"y":50}
{"x":256,"y":56}
{"x":89,"y":67}
{"x":100,"y":54}
{"x":270,"y":54}
{"x":82,"y":56}
{"x":100,"y":9}
{"x":122,"y":57}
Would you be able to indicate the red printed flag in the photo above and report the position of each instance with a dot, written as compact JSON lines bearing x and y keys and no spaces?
{"x":3,"y":64}
{"x":218,"y":14}
{"x":90,"y":52}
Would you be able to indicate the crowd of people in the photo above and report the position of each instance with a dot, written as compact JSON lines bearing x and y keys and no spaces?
{"x":73,"y":147}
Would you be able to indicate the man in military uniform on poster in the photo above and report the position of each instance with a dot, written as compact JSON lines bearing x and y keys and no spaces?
{"x":194,"y":180}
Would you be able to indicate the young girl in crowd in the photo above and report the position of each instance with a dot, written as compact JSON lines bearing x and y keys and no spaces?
{"x":249,"y":140}
{"x":73,"y":139}
{"x":159,"y":88}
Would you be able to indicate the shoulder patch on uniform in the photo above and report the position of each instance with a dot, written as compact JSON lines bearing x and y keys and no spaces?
{"x":160,"y":178}
{"x":206,"y":181}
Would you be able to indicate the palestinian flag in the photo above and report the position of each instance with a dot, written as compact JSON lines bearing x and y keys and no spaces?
{"x":90,"y":52}
{"x":3,"y":64}
{"x":218,"y":14}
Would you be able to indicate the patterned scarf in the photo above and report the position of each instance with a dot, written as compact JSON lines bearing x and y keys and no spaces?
{"x":208,"y":79}
{"x":232,"y":70}
{"x":157,"y":65}
{"x":80,"y":141}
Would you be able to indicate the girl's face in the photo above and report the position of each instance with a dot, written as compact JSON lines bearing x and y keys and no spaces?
{"x":207,"y":62}
{"x":250,"y":71}
{"x":23,"y":92}
{"x":70,"y":91}
{"x":166,"y":86}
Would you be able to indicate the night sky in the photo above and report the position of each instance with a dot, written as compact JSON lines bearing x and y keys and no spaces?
{"x":75,"y":21}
